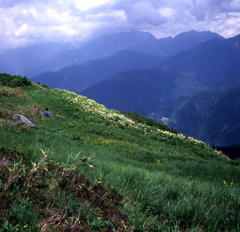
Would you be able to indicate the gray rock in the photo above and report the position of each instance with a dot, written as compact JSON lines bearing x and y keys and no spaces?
{"x":25,"y":121}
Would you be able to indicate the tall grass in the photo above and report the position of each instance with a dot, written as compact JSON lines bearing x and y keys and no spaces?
{"x":188,"y":203}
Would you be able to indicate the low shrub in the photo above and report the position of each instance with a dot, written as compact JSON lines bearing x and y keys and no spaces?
{"x":12,"y":81}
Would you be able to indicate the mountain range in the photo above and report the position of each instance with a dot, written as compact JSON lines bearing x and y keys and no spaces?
{"x":137,"y":41}
{"x":36,"y":59}
{"x":144,"y":51}
{"x":206,"y":66}
{"x":76,"y":78}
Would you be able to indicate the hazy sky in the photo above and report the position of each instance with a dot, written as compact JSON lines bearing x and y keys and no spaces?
{"x":25,"y":22}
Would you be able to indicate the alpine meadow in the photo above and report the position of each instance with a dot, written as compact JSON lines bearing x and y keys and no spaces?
{"x":90,"y":168}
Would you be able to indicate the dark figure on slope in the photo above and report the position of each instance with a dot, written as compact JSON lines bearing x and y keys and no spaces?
{"x":46,"y":113}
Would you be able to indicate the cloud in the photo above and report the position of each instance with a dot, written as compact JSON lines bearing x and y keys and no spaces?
{"x":83,"y":5}
{"x":12,"y":3}
{"x":143,"y":13}
{"x":25,"y":22}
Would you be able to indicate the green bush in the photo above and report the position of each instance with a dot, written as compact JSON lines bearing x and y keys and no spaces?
{"x":13,"y":81}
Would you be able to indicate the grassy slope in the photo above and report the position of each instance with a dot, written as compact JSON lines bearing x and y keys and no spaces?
{"x":143,"y":178}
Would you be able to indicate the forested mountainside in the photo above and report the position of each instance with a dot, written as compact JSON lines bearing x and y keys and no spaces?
{"x":212,"y":116}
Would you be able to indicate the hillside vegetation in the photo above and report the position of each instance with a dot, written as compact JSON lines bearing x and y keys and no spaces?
{"x":89,"y":168}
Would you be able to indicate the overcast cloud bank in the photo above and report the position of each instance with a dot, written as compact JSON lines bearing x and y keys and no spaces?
{"x":25,"y":22}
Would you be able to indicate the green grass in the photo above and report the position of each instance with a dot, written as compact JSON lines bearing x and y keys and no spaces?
{"x":159,"y":181}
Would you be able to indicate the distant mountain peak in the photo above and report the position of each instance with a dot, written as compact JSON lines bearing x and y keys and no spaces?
{"x":208,"y":34}
{"x":135,"y":32}
{"x":132,"y":35}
